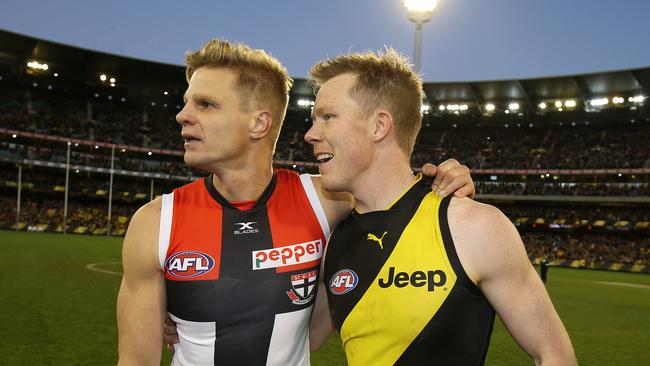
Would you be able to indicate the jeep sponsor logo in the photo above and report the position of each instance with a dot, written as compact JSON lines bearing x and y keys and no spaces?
{"x":288,"y":255}
{"x":245,"y":228}
{"x":343,"y":282}
{"x":432,"y":279}
{"x":189,"y":264}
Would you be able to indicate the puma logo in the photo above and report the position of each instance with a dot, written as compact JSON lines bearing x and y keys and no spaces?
{"x":374,"y":237}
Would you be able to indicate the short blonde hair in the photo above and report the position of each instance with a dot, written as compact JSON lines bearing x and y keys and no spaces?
{"x":261,"y":79}
{"x":383,"y":80}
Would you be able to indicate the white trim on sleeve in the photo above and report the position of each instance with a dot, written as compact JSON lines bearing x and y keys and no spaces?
{"x":308,"y":185}
{"x":164,"y":234}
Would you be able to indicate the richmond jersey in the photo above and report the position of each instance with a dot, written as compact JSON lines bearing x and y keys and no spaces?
{"x":397,"y":291}
{"x":241,"y":278}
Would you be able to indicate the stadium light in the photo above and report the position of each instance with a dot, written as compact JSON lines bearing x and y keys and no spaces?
{"x":149,"y":153}
{"x":56,"y":74}
{"x":542,"y":105}
{"x":637,"y":99}
{"x":490,"y":107}
{"x":507,"y":111}
{"x":558,"y":104}
{"x":570,"y":103}
{"x":112,"y":80}
{"x":513,"y":106}
{"x":425,"y":108}
{"x":102,"y":77}
{"x":598,"y":102}
{"x":441,"y":107}
{"x":618,"y":100}
{"x":14,"y":136}
{"x":305,"y":103}
{"x":37,"y":65}
{"x":165,"y":93}
{"x":419,"y":12}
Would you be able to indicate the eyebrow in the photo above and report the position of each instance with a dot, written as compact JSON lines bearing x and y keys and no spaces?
{"x":317,"y":111}
{"x":199,"y":96}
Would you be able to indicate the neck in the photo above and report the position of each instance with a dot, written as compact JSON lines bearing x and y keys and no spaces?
{"x":243,"y":180}
{"x":382,"y":183}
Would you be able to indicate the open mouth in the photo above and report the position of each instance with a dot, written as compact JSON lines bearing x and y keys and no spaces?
{"x":324,"y":157}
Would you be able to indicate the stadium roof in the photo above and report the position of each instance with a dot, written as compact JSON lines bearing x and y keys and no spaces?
{"x":86,"y":65}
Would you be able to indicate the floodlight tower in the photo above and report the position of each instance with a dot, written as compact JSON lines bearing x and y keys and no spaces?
{"x":420,"y":12}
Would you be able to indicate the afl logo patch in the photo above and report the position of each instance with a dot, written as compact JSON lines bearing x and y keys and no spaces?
{"x":189,"y":264}
{"x":343,"y":282}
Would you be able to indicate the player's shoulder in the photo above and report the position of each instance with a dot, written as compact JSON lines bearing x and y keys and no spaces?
{"x":146,"y":217}
{"x":480,"y":214}
{"x":484,"y":237}
{"x":480,"y":225}
{"x":140,"y":248}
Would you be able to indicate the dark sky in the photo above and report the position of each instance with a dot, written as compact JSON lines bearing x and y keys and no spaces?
{"x":466,"y":39}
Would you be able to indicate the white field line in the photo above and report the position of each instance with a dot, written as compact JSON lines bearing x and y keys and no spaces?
{"x":95,"y":267}
{"x":624,"y":284}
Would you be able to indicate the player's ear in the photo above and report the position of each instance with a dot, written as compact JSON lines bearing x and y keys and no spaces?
{"x":383,"y":124}
{"x":261,"y":125}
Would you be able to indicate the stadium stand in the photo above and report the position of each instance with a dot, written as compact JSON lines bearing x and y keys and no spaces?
{"x":575,"y":182}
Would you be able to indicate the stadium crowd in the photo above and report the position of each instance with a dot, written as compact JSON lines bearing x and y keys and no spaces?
{"x":552,"y":244}
{"x":564,"y":188}
{"x":588,"y":247}
{"x":103,"y":118}
{"x":49,"y":213}
{"x":619,"y":144}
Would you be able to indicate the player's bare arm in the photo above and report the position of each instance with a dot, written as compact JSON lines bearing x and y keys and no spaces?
{"x":141,"y":301}
{"x":493,"y":255}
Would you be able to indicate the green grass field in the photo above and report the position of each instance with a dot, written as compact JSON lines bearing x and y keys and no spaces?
{"x":55,"y":311}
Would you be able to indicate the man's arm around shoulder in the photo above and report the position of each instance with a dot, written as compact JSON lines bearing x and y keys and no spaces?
{"x":493,"y":255}
{"x":141,"y":301}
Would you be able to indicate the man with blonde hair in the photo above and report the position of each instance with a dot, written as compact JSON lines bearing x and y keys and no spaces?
{"x":233,"y":258}
{"x":413,"y":278}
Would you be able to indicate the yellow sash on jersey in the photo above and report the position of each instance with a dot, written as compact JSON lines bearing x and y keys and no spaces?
{"x":386,"y":320}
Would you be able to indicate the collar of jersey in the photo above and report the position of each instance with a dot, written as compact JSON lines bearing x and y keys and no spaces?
{"x":261,"y":201}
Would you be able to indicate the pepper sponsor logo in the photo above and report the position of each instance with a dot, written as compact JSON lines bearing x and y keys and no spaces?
{"x":189,"y":264}
{"x":288,"y":255}
{"x":432,"y":279}
{"x":343,"y":282}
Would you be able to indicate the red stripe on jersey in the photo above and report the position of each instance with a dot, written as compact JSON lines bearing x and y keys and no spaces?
{"x":243,"y":205}
{"x":196,"y":224}
{"x":293,"y":221}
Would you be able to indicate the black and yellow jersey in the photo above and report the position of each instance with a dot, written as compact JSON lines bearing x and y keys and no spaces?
{"x":397,"y":291}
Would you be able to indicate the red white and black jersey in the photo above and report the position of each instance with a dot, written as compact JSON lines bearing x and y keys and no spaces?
{"x":241,"y":277}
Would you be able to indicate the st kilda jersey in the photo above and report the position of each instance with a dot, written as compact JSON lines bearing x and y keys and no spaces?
{"x":397,"y":292}
{"x":240,"y":280}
